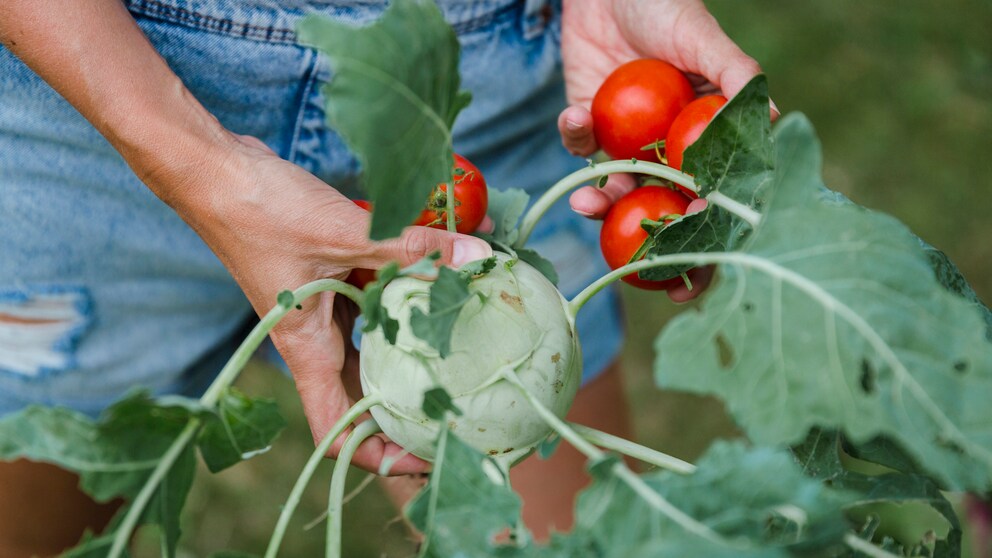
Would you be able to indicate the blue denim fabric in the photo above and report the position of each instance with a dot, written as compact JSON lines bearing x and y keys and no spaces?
{"x":128,"y":295}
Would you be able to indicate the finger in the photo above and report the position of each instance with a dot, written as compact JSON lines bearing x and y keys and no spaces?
{"x":696,"y":205}
{"x":700,"y":277}
{"x":593,"y":202}
{"x":487,"y":225}
{"x":575,"y":127}
{"x":419,"y":242}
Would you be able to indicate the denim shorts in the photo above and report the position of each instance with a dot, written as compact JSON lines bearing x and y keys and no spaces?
{"x":109,"y":289}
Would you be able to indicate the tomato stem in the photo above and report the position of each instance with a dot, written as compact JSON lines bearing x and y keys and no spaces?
{"x":589,"y":174}
{"x":335,"y":499}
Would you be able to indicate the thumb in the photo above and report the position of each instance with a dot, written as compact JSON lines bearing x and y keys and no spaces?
{"x":418,"y":242}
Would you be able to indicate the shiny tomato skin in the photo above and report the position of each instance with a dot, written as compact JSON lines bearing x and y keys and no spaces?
{"x":689,"y":125}
{"x":622,"y":234}
{"x":635,"y":106}
{"x":471,"y":200}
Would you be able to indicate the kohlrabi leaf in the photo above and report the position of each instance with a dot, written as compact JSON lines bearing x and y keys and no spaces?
{"x":406,"y":61}
{"x":463,"y":507}
{"x":113,"y":456}
{"x":733,"y":156}
{"x":832,"y":316}
{"x":505,"y":209}
{"x":538,"y":262}
{"x":449,"y":294}
{"x":819,"y":457}
{"x":241,"y":428}
{"x":373,"y":311}
{"x":437,"y":402}
{"x":754,"y":499}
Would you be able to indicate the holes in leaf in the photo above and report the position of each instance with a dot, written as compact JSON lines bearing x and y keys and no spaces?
{"x":868,"y":376}
{"x":748,"y":307}
{"x":960,"y":367}
{"x":725,"y":351}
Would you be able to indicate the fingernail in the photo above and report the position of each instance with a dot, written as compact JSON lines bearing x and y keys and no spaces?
{"x":469,"y":250}
{"x":775,"y":108}
{"x":573,"y":126}
{"x":582,"y":213}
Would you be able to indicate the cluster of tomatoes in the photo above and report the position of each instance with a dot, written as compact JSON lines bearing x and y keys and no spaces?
{"x":646,"y":109}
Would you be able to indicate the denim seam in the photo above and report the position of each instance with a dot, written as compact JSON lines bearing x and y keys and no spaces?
{"x":271,"y":34}
{"x":155,"y":9}
{"x":310,"y":78}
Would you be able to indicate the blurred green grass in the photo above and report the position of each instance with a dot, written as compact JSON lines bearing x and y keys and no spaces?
{"x":901,"y":96}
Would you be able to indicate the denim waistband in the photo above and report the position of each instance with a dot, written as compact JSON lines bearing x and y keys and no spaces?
{"x":275,"y":21}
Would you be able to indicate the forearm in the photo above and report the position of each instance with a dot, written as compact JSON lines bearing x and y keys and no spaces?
{"x":93,"y":53}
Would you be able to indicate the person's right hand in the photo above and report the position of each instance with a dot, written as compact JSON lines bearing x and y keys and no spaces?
{"x":275,"y":227}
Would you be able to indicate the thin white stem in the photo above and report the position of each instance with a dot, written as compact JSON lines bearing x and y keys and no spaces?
{"x":209,"y":399}
{"x":588,"y":174}
{"x":637,"y":451}
{"x":628,"y":477}
{"x":335,"y":506}
{"x":857,"y":543}
{"x":316,"y":457}
{"x":745,"y":212}
{"x":240,"y":357}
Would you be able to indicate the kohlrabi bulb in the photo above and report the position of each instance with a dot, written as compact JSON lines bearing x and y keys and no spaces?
{"x":520,"y":322}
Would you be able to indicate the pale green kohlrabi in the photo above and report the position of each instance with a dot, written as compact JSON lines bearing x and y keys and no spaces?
{"x":520,"y":322}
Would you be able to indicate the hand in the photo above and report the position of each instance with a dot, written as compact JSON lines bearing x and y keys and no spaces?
{"x":598,"y":36}
{"x":276,"y":227}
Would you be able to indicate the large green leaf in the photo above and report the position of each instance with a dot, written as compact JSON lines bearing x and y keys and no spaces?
{"x":756,"y":499}
{"x":243,"y":427}
{"x":832,"y":316}
{"x":394,"y":97}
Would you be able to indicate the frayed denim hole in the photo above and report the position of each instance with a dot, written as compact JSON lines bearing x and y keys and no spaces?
{"x":40,"y":329}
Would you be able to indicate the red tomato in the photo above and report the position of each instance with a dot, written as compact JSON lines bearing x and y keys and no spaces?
{"x":635,"y":106}
{"x":689,"y":125}
{"x":471,"y":200}
{"x":622,"y":234}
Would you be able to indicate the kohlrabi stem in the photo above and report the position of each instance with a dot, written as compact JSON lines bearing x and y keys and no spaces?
{"x":637,"y":451}
{"x":240,"y":357}
{"x":123,"y":534}
{"x":316,"y":457}
{"x":588,"y":174}
{"x":209,"y":399}
{"x":737,"y":208}
{"x":636,"y":483}
{"x":857,"y":543}
{"x":335,"y":505}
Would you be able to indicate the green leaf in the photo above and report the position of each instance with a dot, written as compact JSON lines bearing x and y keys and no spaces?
{"x":242,"y":427}
{"x":462,"y":507}
{"x":734,"y":156}
{"x":393,"y":97}
{"x":832,"y":316}
{"x":374,"y":312}
{"x":114,"y":455}
{"x":448,"y":295}
{"x":819,"y":456}
{"x":752,"y":497}
{"x":548,"y":446}
{"x":437,"y":402}
{"x":505,"y":208}
{"x":539,"y":262}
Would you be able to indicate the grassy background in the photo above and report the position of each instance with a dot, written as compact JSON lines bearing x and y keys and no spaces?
{"x":901,"y":96}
